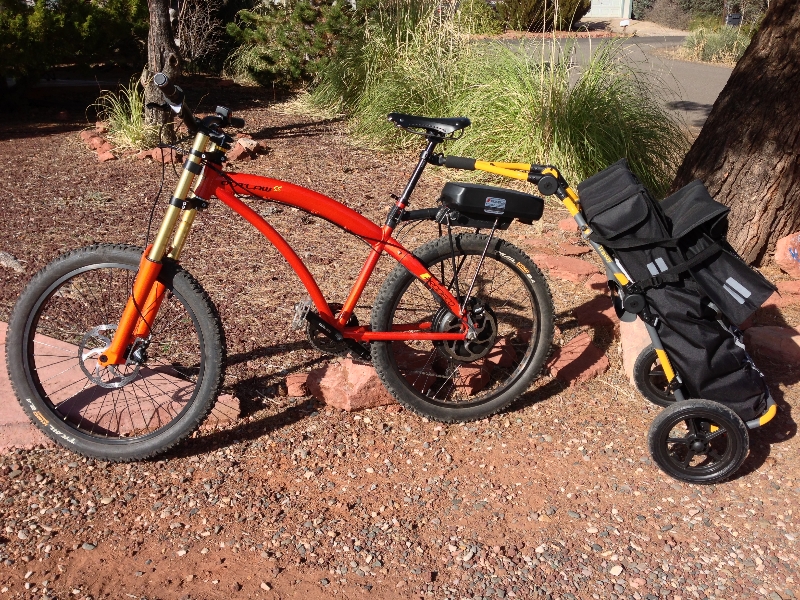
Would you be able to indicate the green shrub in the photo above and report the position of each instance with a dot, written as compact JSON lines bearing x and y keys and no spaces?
{"x":712,"y":22}
{"x":639,"y":8}
{"x":38,"y":36}
{"x":542,"y":15}
{"x":287,"y":43}
{"x":387,"y":38}
{"x":668,"y":13}
{"x":524,"y":109}
{"x":725,"y":45}
{"x":478,"y":17}
{"x":124,"y":114}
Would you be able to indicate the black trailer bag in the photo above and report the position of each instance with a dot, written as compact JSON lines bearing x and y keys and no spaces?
{"x":676,"y":252}
{"x":659,"y":243}
{"x":699,"y":223}
{"x":709,"y":357}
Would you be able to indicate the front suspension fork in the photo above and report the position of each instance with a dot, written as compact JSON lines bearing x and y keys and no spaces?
{"x":148,"y":293}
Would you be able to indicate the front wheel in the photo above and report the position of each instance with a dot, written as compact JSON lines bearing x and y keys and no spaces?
{"x":512,"y":311}
{"x":64,"y":319}
{"x":698,"y":441}
{"x":650,"y":378}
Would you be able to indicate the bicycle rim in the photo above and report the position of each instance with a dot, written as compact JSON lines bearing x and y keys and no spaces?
{"x":451,"y":375}
{"x":150,"y":397}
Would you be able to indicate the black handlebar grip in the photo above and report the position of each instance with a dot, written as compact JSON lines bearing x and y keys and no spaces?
{"x":459,"y":162}
{"x":237,"y":122}
{"x":171,"y":92}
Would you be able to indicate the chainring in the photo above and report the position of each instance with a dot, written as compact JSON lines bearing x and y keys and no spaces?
{"x":323,"y":343}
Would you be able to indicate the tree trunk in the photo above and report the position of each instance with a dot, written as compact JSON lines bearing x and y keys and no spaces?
{"x":162,"y":57}
{"x":748,"y":152}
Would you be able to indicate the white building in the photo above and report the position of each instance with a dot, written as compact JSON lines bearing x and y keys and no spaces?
{"x":616,"y":9}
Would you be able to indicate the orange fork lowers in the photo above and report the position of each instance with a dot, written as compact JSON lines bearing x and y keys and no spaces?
{"x":139,"y":313}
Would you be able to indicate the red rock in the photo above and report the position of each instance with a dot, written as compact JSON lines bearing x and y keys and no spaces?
{"x":96,"y":143}
{"x":296,"y":385}
{"x":165,"y":155}
{"x":503,"y":354}
{"x":144,"y":154}
{"x":348,"y":385}
{"x":248,"y":143}
{"x":106,"y":156}
{"x":473,"y":377}
{"x":226,"y":410}
{"x":599,"y":311}
{"x":787,"y":254}
{"x":634,"y":338}
{"x":100,"y":127}
{"x":87,"y":135}
{"x":779,"y":300}
{"x":577,"y":361}
{"x":420,"y":370}
{"x":573,"y":250}
{"x":239,"y":153}
{"x":106,"y":147}
{"x":540,"y":244}
{"x":568,"y":225}
{"x":169,"y":394}
{"x":16,"y":430}
{"x":791,"y":286}
{"x":598,"y":282}
{"x":565,"y":267}
{"x":781,"y":344}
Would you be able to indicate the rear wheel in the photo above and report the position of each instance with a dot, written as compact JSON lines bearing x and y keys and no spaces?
{"x":65,"y":318}
{"x":698,"y":441}
{"x":511,"y":309}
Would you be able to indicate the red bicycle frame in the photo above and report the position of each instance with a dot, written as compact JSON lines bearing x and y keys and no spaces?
{"x":143,"y":304}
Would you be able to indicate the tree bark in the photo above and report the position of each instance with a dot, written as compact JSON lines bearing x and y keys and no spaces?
{"x":162,"y":57}
{"x":748,"y":152}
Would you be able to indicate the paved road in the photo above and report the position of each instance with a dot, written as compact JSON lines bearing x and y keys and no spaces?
{"x":690,"y":88}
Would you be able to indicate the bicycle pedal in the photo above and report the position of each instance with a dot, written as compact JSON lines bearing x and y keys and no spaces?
{"x":300,"y":312}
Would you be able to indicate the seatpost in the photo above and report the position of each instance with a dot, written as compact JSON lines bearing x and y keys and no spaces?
{"x":402,"y":201}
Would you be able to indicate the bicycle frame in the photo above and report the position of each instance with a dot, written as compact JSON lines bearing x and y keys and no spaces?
{"x":145,"y":300}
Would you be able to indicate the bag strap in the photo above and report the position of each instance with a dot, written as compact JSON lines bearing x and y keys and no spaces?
{"x":673,"y":274}
{"x":621,"y":245}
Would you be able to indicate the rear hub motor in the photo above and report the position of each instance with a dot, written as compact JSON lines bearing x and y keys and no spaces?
{"x":484,"y":322}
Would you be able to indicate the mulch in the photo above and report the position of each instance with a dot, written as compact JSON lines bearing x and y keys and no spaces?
{"x":555,"y":498}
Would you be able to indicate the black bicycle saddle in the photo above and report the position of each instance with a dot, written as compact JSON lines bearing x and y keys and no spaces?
{"x":433,"y":127}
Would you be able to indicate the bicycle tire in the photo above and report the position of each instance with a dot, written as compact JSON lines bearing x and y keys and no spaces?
{"x":445,"y":382}
{"x":650,"y":379}
{"x":159,"y":401}
{"x":712,"y":431}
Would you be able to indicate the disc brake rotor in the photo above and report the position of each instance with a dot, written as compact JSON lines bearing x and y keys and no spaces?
{"x":94,"y":343}
{"x":485,"y":324}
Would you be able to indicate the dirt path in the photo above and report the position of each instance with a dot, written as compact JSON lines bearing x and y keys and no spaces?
{"x":557,"y":497}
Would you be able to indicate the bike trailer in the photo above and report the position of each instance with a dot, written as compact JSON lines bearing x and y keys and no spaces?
{"x":694,"y":283}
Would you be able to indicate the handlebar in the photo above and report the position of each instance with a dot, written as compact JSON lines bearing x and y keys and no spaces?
{"x":175,"y":97}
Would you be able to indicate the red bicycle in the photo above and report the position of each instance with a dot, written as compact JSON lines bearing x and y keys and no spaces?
{"x":117,"y":352}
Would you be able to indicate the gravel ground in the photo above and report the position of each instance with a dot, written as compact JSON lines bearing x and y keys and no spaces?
{"x":555,"y":498}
